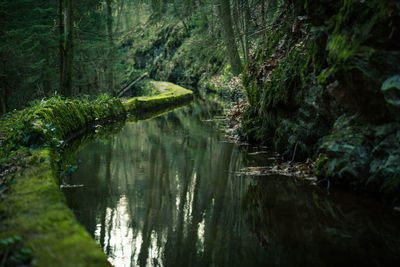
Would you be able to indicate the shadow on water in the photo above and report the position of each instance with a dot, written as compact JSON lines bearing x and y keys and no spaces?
{"x":302,"y":226}
{"x":163,"y":192}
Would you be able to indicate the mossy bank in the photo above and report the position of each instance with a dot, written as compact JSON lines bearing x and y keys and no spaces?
{"x":325,"y":84}
{"x":37,"y":227}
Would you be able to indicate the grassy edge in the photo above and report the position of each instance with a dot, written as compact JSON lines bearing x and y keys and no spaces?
{"x":36,"y":210}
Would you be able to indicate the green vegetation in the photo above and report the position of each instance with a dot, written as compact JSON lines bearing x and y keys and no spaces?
{"x":323,"y":82}
{"x":311,"y":80}
{"x":14,"y":252}
{"x":51,"y":121}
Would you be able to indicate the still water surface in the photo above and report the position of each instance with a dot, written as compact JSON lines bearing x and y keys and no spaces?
{"x":165,"y":192}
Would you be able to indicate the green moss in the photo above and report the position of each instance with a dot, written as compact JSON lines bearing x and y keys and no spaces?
{"x":51,"y":121}
{"x":325,"y":74}
{"x":277,"y":85}
{"x":131,"y":104}
{"x":341,"y":48}
{"x":36,"y":211}
{"x":318,"y":165}
{"x":170,"y":94}
{"x":347,"y":46}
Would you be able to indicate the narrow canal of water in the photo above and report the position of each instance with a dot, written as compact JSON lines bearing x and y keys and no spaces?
{"x":165,"y":192}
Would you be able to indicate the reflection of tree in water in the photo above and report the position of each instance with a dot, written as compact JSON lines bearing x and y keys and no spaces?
{"x":299,"y":226}
{"x":185,"y":156}
{"x":98,"y":162}
{"x":171,"y":182}
{"x":163,"y":192}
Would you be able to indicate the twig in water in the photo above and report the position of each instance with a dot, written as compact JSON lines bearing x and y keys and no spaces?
{"x":294,"y":153}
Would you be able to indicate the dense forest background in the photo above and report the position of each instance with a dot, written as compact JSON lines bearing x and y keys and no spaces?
{"x":77,"y":48}
{"x":310,"y":79}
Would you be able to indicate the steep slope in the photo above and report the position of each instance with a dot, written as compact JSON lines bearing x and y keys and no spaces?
{"x":169,"y":51}
{"x":325,"y":84}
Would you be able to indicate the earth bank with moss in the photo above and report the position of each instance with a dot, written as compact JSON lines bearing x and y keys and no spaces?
{"x":170,"y":50}
{"x":325,"y":84}
{"x":33,"y":211}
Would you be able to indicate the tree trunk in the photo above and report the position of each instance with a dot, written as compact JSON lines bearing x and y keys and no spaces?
{"x":110,"y":63}
{"x":236,"y":17}
{"x":246,"y":29}
{"x":229,"y":37}
{"x":3,"y":87}
{"x":3,"y":99}
{"x":68,"y":49}
{"x":120,"y":10}
{"x":109,"y":20}
{"x":262,"y":13}
{"x":61,"y":43}
{"x":138,"y":14}
{"x":45,"y":77}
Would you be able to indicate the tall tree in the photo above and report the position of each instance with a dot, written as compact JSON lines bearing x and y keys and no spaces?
{"x":246,"y":23}
{"x":68,"y":53}
{"x":241,"y":20}
{"x":61,"y":41}
{"x":3,"y":98}
{"x":120,"y":9}
{"x":262,"y":13}
{"x":109,"y":67}
{"x":28,"y":51}
{"x":229,"y":36}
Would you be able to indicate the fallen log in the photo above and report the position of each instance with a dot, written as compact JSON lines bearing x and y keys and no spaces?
{"x":129,"y":86}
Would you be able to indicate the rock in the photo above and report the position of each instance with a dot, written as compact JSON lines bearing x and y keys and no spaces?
{"x":362,"y":155}
{"x":346,"y":153}
{"x":385,"y":165}
{"x":391,"y":90}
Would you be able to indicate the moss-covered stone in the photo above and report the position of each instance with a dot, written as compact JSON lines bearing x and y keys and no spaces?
{"x":363,"y":155}
{"x":36,"y":211}
{"x":170,"y":95}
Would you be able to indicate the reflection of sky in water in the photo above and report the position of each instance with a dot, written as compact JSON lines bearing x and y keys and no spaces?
{"x":123,"y":242}
{"x":120,"y":236}
{"x":163,"y":192}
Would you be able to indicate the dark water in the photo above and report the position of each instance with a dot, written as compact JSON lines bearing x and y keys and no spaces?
{"x":164,"y":192}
